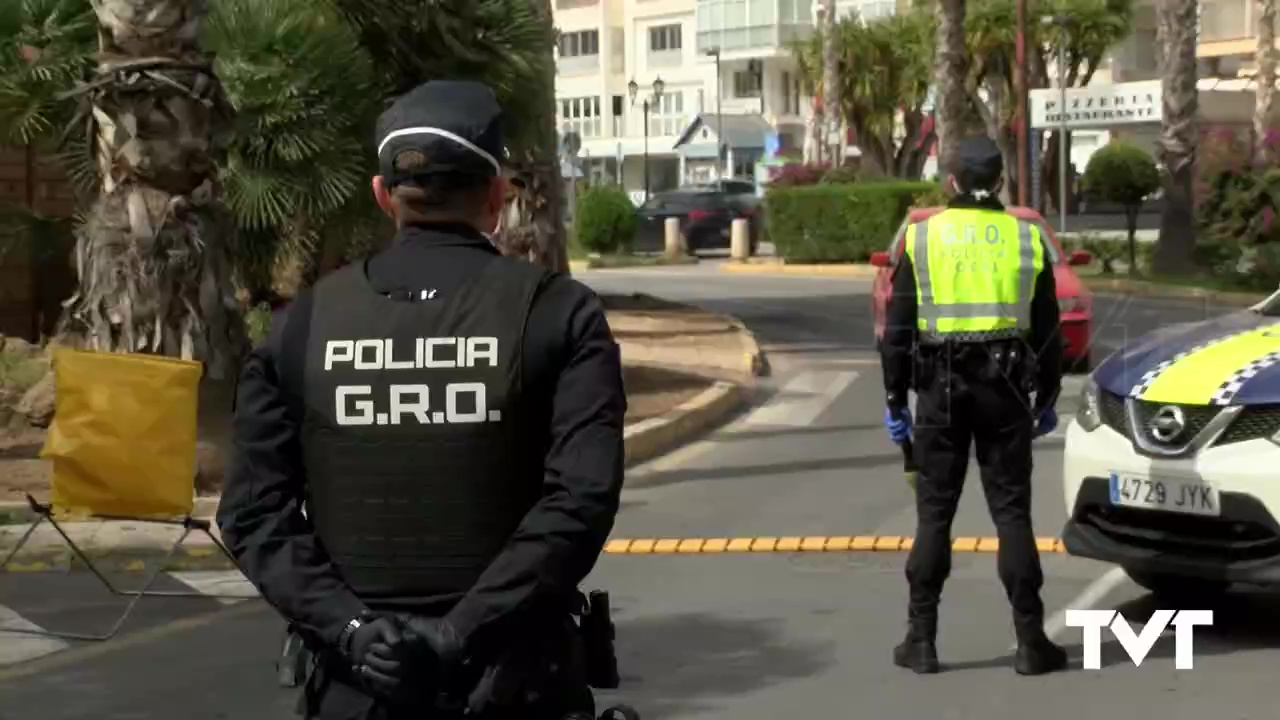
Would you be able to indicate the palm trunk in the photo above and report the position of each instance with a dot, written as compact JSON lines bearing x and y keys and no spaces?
{"x":950,"y":72}
{"x":533,"y":225}
{"x":1266,"y":77}
{"x":1176,"y":21}
{"x":152,"y":257}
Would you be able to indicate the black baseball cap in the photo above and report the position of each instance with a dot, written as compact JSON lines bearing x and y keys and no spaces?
{"x":456,"y":124}
{"x":979,"y":164}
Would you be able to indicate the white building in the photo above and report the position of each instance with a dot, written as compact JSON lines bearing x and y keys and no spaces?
{"x":609,"y":47}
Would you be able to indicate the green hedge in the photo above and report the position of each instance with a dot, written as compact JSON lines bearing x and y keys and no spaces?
{"x":838,"y":223}
{"x":605,"y":220}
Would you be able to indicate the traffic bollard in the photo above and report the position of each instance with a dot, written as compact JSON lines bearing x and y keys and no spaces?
{"x":739,"y":240}
{"x":673,"y":241}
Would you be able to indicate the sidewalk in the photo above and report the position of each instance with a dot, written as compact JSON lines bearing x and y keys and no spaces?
{"x":652,"y":333}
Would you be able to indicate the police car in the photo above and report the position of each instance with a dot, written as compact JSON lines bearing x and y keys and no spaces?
{"x":1172,"y":463}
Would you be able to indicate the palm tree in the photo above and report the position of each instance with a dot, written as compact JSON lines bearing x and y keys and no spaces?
{"x":306,"y":96}
{"x":950,"y":74}
{"x":153,"y":255}
{"x":507,"y":44}
{"x":1176,"y":36}
{"x":1265,"y":59}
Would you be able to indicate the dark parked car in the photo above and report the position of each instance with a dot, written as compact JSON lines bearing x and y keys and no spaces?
{"x":705,"y":214}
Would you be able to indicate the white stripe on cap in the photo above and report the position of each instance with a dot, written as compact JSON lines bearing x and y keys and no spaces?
{"x":444,"y":134}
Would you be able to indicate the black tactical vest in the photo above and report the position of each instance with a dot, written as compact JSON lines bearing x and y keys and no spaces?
{"x":415,"y":467}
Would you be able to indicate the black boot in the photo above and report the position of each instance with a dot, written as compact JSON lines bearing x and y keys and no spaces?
{"x":918,"y":651}
{"x":1037,"y":654}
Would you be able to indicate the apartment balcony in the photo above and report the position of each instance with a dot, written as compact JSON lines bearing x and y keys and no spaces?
{"x":578,"y":65}
{"x":1226,"y":20}
{"x":747,"y":26}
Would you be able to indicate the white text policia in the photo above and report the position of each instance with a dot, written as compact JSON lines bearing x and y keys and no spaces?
{"x":464,"y":402}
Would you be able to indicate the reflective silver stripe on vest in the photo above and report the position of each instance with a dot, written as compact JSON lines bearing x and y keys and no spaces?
{"x":1020,"y":310}
{"x":920,"y":251}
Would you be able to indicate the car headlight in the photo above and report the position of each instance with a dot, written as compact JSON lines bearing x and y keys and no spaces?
{"x":1088,"y":415}
{"x":1071,"y":304}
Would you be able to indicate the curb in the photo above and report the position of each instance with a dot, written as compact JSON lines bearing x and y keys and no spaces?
{"x":136,"y":560}
{"x":577,"y":266}
{"x":650,"y":438}
{"x":1141,"y":288}
{"x":781,"y":268}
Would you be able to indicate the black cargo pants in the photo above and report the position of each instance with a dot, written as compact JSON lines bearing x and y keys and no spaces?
{"x":958,"y":407}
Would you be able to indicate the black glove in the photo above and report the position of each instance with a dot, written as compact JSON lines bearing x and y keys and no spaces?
{"x":373,"y":649}
{"x":431,"y":641}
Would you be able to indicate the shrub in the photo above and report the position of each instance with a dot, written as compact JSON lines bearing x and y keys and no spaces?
{"x":1124,"y":174}
{"x":1238,"y":198}
{"x":843,"y":174}
{"x":935,"y":196}
{"x":837,"y":223}
{"x":605,"y":220}
{"x":797,"y":175}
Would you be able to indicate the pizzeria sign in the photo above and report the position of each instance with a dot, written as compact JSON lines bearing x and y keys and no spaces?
{"x":1097,"y":106}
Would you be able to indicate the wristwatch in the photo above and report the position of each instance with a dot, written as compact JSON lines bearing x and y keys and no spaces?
{"x":344,"y":638}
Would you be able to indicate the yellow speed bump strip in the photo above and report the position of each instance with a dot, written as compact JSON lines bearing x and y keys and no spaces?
{"x":793,"y":544}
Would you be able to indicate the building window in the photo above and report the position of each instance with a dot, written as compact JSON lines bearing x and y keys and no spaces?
{"x":664,"y":37}
{"x":581,"y":115}
{"x":579,"y":44}
{"x":667,"y":116}
{"x":869,"y":9}
{"x":746,"y":84}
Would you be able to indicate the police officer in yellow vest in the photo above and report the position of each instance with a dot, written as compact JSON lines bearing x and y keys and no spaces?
{"x":972,"y":327}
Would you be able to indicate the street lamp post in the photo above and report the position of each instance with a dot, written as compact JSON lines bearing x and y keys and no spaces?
{"x":633,"y":89}
{"x":715,"y":52}
{"x":1062,"y":22}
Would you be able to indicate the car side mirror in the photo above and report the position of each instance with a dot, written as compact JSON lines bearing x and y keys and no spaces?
{"x":880,"y":259}
{"x":1080,"y":257}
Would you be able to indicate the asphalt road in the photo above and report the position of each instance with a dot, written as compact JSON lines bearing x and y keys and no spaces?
{"x":748,"y":637}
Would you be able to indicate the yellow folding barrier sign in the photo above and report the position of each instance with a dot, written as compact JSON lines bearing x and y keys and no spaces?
{"x":123,"y":438}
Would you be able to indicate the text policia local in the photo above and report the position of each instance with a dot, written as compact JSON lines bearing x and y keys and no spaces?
{"x":1138,"y":645}
{"x":463,"y":402}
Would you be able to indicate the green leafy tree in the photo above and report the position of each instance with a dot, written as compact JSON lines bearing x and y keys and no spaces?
{"x":1095,"y":27}
{"x":1124,"y":174}
{"x":885,"y":66}
{"x":507,"y":44}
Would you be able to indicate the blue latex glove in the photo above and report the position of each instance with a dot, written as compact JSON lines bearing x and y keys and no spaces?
{"x":898,"y":423}
{"x":1047,"y":422}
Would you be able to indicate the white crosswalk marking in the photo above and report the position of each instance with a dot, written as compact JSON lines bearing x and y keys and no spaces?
{"x":21,"y":647}
{"x":230,"y":585}
{"x":803,"y":399}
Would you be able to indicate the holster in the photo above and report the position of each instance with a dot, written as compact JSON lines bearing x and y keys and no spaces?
{"x":549,"y":671}
{"x":595,"y":624}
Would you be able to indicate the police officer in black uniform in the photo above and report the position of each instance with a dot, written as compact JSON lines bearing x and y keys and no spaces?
{"x":984,"y":354}
{"x":452,"y":420}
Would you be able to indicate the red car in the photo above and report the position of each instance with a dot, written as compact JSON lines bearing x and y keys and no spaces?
{"x":1074,"y":300}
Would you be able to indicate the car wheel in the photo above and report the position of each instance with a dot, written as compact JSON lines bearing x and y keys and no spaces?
{"x":1178,"y":586}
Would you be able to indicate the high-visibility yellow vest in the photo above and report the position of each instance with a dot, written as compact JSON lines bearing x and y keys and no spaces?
{"x":975,"y":274}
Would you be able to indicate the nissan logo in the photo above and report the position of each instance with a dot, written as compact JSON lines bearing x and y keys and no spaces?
{"x":1167,"y":424}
